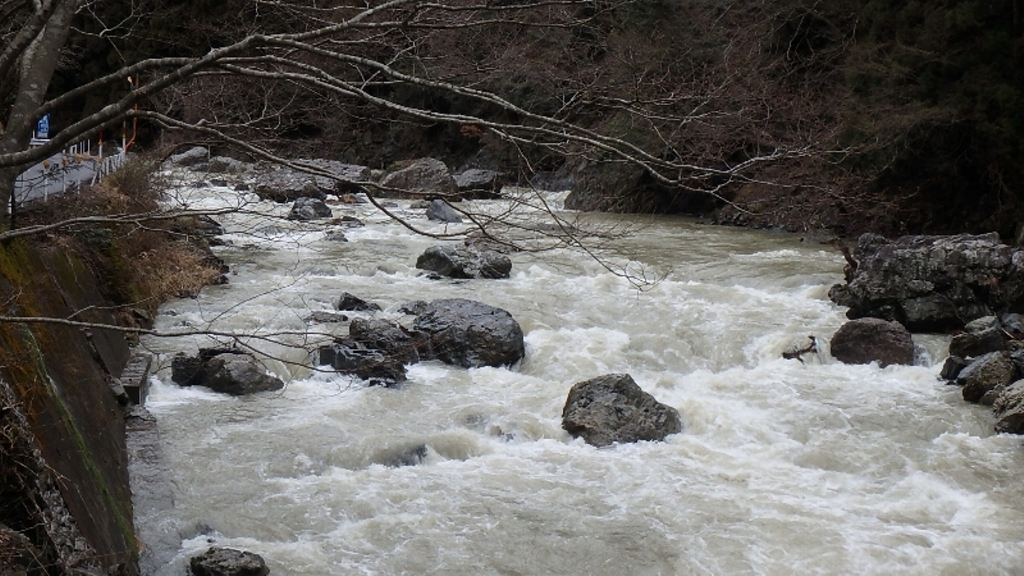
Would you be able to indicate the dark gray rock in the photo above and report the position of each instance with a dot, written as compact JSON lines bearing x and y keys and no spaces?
{"x":1009,"y":409}
{"x":933,"y":283}
{"x":287,"y":185}
{"x":325,"y":317}
{"x":225,"y":370}
{"x":228,"y":562}
{"x":306,"y":209}
{"x":186,"y":370}
{"x":480,"y":183}
{"x":867,"y":340}
{"x":335,"y":236}
{"x":470,"y":334}
{"x":414,"y":308}
{"x":238,"y":375}
{"x":464,"y":262}
{"x":1013,"y":324}
{"x":345,"y":178}
{"x":986,"y":376}
{"x":1016,"y":351}
{"x":952,"y":367}
{"x":411,"y":456}
{"x":613,"y":408}
{"x":348,"y":222}
{"x":441,"y":211}
{"x":349,"y":356}
{"x":426,"y":177}
{"x":979,"y":337}
{"x":351,"y":303}
{"x":391,"y":339}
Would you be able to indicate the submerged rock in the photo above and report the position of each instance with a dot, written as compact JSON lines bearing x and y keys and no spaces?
{"x":613,"y":408}
{"x":218,"y":561}
{"x":351,"y":303}
{"x":867,"y":340}
{"x":470,"y":334}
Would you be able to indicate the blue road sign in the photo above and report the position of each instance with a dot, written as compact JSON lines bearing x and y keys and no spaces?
{"x":43,"y":128}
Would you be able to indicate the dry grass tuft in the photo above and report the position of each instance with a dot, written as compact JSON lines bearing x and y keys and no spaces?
{"x":175,"y":269}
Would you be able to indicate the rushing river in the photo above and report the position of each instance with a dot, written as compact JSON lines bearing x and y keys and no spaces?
{"x":783,"y":467}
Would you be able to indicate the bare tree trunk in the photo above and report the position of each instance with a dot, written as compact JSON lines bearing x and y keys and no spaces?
{"x":36,"y":67}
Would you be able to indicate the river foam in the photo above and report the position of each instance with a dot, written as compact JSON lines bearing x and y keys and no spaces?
{"x":784,"y":467}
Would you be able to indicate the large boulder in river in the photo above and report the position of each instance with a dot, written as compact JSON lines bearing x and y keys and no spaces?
{"x":932,"y":283}
{"x":238,"y":375}
{"x":613,"y":408}
{"x":470,"y":334}
{"x":218,"y":561}
{"x":426,"y":177}
{"x":287,"y":184}
{"x":480,"y":183}
{"x":226,"y":370}
{"x":867,"y":340}
{"x":464,"y":262}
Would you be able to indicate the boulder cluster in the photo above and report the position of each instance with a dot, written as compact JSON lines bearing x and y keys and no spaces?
{"x":971,"y":284}
{"x":987,"y":361}
{"x":228,"y":370}
{"x":455,"y":331}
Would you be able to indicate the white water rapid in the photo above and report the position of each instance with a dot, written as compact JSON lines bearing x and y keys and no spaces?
{"x":783,"y":467}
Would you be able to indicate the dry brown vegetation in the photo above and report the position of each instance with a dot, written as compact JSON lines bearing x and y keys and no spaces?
{"x":143,"y":262}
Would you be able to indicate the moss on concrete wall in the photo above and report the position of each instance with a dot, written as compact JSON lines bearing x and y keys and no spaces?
{"x":59,"y":376}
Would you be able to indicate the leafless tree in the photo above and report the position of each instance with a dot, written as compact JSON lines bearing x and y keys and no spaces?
{"x":370,"y":57}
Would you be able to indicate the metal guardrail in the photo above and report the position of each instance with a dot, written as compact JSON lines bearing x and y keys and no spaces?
{"x":64,"y":172}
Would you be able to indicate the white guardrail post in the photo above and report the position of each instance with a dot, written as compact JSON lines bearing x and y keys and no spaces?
{"x":73,"y":166}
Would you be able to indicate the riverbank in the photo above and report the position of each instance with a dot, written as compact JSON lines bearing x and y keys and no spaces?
{"x":67,"y":500}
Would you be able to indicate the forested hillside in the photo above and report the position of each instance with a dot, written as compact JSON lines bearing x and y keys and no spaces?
{"x":894,"y":116}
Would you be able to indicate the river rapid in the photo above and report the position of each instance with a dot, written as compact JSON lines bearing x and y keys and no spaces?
{"x":784,"y":467}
